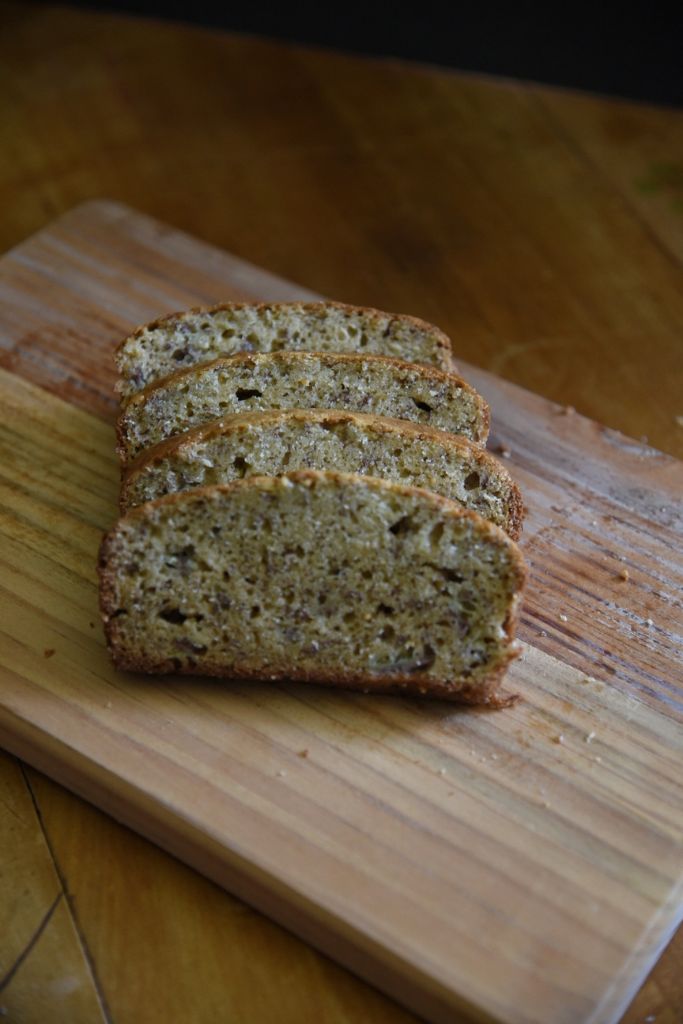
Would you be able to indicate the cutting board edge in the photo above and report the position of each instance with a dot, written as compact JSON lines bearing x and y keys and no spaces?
{"x":646,"y":961}
{"x":271,"y":279}
{"x":396,"y":977}
{"x":117,"y":210}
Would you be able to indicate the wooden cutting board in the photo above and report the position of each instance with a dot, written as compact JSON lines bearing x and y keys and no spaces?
{"x":523,"y":865}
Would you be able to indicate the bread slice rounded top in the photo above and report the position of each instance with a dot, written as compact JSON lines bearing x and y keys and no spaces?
{"x":184,"y":339}
{"x":274,"y":442}
{"x":287,"y":380}
{"x":319,"y":576}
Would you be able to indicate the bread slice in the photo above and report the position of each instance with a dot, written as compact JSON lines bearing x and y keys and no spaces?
{"x":201,"y":335}
{"x":278,"y":441}
{"x":323,"y":577}
{"x":300,"y":380}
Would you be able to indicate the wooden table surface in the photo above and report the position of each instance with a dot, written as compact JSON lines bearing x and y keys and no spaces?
{"x":543,"y":230}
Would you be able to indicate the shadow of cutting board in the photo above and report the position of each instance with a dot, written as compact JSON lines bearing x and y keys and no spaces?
{"x":523,"y":866}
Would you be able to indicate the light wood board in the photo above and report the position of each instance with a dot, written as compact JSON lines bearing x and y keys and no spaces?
{"x":524,"y":865}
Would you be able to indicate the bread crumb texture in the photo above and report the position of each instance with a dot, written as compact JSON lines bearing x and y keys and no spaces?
{"x":275,"y":442}
{"x":201,"y":335}
{"x":319,"y":576}
{"x":301,"y":380}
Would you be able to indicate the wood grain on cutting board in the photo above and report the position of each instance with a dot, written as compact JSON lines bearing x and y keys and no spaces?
{"x":513,"y":863}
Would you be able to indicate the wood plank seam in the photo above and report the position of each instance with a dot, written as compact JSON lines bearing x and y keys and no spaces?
{"x":89,"y":959}
{"x":31,"y":944}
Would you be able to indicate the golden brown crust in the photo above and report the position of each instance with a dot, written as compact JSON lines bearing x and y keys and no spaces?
{"x":517,"y":513}
{"x":384,"y":424}
{"x":443,"y":341}
{"x":416,"y":683}
{"x":483,"y":693}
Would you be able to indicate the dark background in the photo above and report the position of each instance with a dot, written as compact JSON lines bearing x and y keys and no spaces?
{"x":625,"y":50}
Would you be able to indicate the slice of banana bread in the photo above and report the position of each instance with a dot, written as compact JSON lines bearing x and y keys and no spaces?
{"x":316,"y":576}
{"x":300,"y":380}
{"x":278,"y":441}
{"x":201,"y":335}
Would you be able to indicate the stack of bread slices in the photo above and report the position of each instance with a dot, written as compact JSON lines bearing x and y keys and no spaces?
{"x":306,"y":495}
